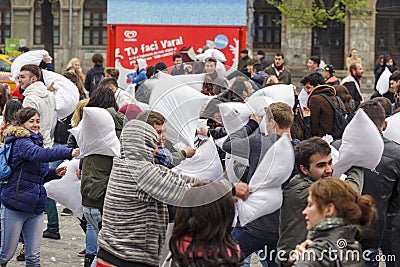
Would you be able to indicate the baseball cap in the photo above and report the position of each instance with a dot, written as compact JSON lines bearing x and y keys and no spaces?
{"x":330,"y":68}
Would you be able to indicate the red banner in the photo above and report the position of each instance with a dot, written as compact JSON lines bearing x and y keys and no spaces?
{"x":157,"y":43}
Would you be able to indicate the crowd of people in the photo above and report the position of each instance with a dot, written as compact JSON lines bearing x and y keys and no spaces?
{"x":129,"y":197}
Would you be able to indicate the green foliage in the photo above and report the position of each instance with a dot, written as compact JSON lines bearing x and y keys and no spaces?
{"x":319,"y":12}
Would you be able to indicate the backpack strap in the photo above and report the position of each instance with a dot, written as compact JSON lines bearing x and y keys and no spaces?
{"x":340,"y":102}
{"x":327,"y":98}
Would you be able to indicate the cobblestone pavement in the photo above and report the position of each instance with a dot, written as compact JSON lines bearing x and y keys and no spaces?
{"x":63,"y":252}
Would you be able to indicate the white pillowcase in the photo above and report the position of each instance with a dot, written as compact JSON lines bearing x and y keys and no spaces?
{"x":95,"y":134}
{"x":278,"y":92}
{"x":193,"y":80}
{"x":30,"y":57}
{"x":234,"y":115}
{"x":204,"y":165}
{"x":180,"y":105}
{"x":274,"y":169}
{"x":392,"y":131}
{"x":383,"y":82}
{"x":65,"y":91}
{"x":67,"y":190}
{"x":362,"y":145}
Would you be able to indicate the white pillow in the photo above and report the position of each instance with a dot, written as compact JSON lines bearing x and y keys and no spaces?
{"x":193,"y":80}
{"x":383,"y":82}
{"x":234,"y":115}
{"x":204,"y":165}
{"x":212,"y":52}
{"x":362,"y":145}
{"x":95,"y":134}
{"x":67,"y":190}
{"x":274,"y":169}
{"x":392,"y":130}
{"x":334,"y":154}
{"x":30,"y":57}
{"x":180,"y":105}
{"x":262,"y":202}
{"x":303,"y":98}
{"x":258,"y":103}
{"x":278,"y":92}
{"x":65,"y":91}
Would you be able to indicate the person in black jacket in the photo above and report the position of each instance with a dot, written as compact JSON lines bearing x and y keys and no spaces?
{"x":95,"y":74}
{"x":383,"y":185}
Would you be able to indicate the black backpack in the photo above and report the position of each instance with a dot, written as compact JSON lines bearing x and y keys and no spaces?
{"x":97,"y":77}
{"x":341,"y":117}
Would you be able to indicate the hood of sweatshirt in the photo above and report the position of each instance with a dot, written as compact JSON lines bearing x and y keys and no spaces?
{"x":138,"y":141}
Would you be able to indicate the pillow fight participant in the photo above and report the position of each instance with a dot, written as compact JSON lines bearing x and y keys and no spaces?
{"x":164,"y":155}
{"x":139,"y":76}
{"x":134,"y":214}
{"x":23,"y":198}
{"x":73,"y":77}
{"x":110,"y":72}
{"x":258,"y":75}
{"x":250,"y":144}
{"x":91,"y":235}
{"x":353,"y":83}
{"x":213,"y":83}
{"x":279,"y":69}
{"x":387,"y":194}
{"x":328,"y":72}
{"x":333,"y":214}
{"x":75,"y":64}
{"x":37,"y":96}
{"x":391,"y":93}
{"x":95,"y":74}
{"x":200,"y":236}
{"x":122,"y":97}
{"x":313,"y":64}
{"x":314,"y":161}
{"x":96,"y":168}
{"x":180,"y":68}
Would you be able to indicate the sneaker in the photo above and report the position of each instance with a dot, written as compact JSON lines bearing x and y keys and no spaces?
{"x":66,"y":212}
{"x":51,"y":235}
{"x":82,"y":253}
{"x":21,"y":256}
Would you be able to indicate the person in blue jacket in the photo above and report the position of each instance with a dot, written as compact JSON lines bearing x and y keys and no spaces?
{"x":23,"y":198}
{"x":139,"y":76}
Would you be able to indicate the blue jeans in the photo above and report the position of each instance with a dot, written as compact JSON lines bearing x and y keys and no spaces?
{"x":91,"y":240}
{"x":249,"y":244}
{"x":93,"y":216}
{"x":31,"y":225}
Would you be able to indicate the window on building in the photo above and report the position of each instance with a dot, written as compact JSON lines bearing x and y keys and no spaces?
{"x":38,"y":25}
{"x":5,"y":20}
{"x":387,"y":29}
{"x":95,"y":22}
{"x":267,"y":27}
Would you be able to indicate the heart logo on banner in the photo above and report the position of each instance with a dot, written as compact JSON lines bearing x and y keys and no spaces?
{"x":130,"y":34}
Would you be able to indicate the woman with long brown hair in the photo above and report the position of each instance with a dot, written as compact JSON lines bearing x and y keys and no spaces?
{"x":334,"y":214}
